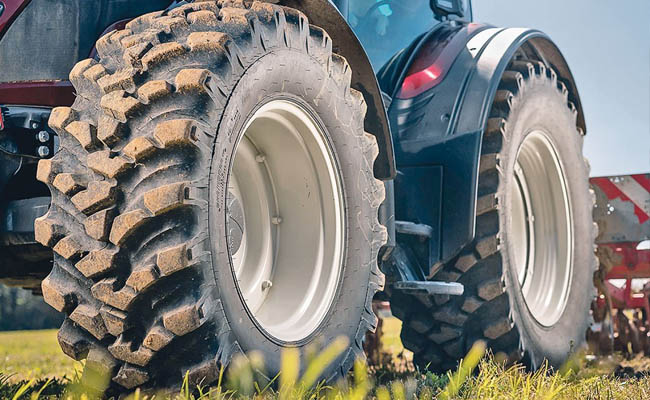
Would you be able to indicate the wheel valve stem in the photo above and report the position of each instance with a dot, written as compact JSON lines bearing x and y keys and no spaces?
{"x":260,"y":158}
{"x":276,"y":220}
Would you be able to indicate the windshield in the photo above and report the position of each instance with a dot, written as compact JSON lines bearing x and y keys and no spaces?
{"x":385,"y":27}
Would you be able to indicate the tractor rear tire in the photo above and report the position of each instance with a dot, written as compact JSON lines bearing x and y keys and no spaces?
{"x":528,"y":273}
{"x":147,"y":211}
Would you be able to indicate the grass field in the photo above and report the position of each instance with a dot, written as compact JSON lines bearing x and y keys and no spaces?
{"x":28,"y":354}
{"x":28,"y":358}
{"x":36,"y":354}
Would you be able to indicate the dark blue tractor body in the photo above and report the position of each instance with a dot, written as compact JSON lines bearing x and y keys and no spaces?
{"x":437,"y":73}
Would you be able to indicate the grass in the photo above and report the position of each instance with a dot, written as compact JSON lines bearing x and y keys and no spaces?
{"x":35,"y":355}
{"x":28,"y":354}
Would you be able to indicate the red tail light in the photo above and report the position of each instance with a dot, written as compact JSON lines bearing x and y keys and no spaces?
{"x":420,"y":82}
{"x":434,"y":60}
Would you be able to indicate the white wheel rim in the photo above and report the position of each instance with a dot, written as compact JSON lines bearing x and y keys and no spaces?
{"x":541,"y":230}
{"x":285,"y":221}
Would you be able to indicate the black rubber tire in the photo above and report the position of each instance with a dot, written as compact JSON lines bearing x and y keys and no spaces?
{"x":441,"y":329}
{"x":137,"y":196}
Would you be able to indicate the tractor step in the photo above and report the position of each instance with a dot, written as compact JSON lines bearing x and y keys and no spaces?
{"x":411,"y":228}
{"x":448,"y":288}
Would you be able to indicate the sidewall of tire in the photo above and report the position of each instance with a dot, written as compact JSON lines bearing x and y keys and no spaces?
{"x":294,"y":75}
{"x":543,"y":108}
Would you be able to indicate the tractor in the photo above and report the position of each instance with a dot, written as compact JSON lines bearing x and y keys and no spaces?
{"x":191,"y":181}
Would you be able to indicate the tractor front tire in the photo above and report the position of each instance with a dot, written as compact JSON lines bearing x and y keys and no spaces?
{"x":528,"y":273}
{"x":166,"y":260}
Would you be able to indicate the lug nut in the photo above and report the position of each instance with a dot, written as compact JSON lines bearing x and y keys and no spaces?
{"x":266,"y":285}
{"x":276,"y":220}
{"x":43,"y":151}
{"x":43,"y":136}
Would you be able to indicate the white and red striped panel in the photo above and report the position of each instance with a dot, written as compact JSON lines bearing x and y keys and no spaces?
{"x":622,"y":207}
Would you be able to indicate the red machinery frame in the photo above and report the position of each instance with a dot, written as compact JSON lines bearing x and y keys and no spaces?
{"x":623,"y":216}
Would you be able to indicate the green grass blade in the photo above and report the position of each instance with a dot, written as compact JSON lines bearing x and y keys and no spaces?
{"x":382,"y":393}
{"x":37,"y":395}
{"x":465,"y":368}
{"x":323,"y":360}
{"x":289,"y":371}
{"x":21,"y":390}
{"x":398,"y":391}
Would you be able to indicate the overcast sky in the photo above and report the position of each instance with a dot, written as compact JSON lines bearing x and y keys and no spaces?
{"x":607,"y":45}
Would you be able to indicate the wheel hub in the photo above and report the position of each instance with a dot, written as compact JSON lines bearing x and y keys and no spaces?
{"x":285,"y":221}
{"x":541,"y":230}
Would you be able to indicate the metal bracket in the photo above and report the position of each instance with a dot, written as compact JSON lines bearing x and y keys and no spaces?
{"x":18,"y":216}
{"x":430,"y":288}
{"x":411,"y":228}
{"x":26,"y":133}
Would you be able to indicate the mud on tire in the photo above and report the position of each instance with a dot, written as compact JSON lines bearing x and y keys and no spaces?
{"x":136,"y":269}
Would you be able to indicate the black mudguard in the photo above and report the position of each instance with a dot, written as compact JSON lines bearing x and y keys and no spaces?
{"x":437,"y":134}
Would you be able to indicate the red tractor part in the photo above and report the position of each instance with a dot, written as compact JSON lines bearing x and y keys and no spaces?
{"x":622,"y":310}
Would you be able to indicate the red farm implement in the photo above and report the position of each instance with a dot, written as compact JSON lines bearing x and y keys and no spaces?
{"x":622,"y":309}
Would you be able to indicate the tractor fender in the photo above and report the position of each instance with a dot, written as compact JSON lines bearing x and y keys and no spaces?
{"x":438,"y":133}
{"x":345,"y":43}
{"x":492,"y":62}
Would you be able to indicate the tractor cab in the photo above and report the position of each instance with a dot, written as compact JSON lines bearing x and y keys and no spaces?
{"x":388,"y":27}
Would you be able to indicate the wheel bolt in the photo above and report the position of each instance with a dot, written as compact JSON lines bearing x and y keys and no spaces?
{"x":276,"y":220}
{"x":266,"y":285}
{"x":43,"y":151}
{"x":43,"y":136}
